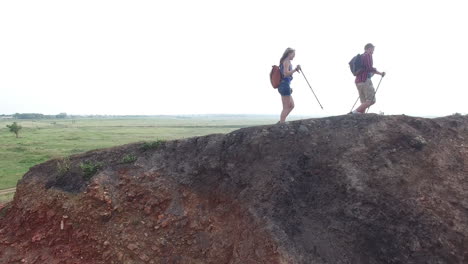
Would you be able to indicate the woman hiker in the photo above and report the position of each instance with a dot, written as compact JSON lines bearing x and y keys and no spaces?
{"x":286,"y":76}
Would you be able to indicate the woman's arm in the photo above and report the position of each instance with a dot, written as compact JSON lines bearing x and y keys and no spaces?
{"x":287,"y":72}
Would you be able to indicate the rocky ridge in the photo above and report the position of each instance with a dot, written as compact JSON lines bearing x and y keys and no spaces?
{"x":344,"y":189}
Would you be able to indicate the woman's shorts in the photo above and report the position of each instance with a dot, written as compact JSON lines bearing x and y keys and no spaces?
{"x":284,"y":88}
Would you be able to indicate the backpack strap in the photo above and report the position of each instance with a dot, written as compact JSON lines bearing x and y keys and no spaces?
{"x":281,"y":70}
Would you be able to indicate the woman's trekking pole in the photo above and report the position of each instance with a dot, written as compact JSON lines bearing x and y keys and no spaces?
{"x":311,"y":89}
{"x":376,"y":90}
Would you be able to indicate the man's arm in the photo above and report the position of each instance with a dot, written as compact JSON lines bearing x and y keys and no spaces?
{"x":367,"y":62}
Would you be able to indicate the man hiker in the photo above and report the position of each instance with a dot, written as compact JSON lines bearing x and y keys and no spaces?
{"x":363,"y":80}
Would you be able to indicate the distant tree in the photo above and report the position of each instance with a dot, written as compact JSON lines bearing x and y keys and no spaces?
{"x":28,"y":116}
{"x":15,"y":128}
{"x":61,"y":115}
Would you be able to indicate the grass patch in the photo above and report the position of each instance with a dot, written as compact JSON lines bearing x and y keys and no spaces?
{"x":5,"y":198}
{"x":75,"y":151}
{"x":17,"y":149}
{"x":33,"y":160}
{"x":72,"y":138}
{"x":152,"y":145}
{"x":129,"y":158}
{"x":63,"y":166}
{"x":89,"y":169}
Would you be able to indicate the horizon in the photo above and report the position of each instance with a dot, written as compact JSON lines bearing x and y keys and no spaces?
{"x":292,"y":116}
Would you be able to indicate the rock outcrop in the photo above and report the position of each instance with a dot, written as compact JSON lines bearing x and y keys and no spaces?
{"x":345,"y":189}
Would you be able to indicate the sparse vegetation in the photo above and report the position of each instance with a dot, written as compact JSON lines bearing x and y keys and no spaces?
{"x":5,"y":209}
{"x":63,"y":165}
{"x":15,"y":128}
{"x":90,"y":168}
{"x":129,"y":158}
{"x":152,"y":145}
{"x":6,"y":197}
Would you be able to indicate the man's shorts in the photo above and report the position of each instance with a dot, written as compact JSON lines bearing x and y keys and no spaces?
{"x":366,"y":91}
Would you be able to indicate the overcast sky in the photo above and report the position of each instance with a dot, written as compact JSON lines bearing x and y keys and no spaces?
{"x":201,"y":57}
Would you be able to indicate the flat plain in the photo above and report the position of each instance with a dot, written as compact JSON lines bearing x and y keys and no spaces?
{"x":43,"y":139}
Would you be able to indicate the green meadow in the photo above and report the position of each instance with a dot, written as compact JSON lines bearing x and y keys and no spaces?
{"x":6,"y":197}
{"x":44,"y":139}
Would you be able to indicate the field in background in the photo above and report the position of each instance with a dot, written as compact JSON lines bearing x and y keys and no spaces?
{"x":6,"y":197}
{"x":41,"y":140}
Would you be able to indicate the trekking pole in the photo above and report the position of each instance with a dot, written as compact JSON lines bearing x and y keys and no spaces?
{"x":311,"y":89}
{"x":354,"y":105}
{"x":376,"y":90}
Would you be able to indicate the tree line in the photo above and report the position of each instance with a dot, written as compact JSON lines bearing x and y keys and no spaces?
{"x":37,"y":116}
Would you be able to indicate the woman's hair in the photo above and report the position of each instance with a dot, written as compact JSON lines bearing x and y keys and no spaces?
{"x":286,"y":54}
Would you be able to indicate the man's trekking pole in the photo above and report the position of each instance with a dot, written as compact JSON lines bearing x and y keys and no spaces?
{"x":311,"y":89}
{"x":376,"y":90}
{"x":354,"y":105}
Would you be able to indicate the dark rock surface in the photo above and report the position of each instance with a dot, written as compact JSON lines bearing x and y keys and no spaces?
{"x":345,"y":189}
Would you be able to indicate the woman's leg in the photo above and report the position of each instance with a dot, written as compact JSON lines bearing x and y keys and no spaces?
{"x":288,"y":105}
{"x":291,"y":105}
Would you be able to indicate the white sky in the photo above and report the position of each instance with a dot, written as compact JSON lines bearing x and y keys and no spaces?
{"x":199,"y":57}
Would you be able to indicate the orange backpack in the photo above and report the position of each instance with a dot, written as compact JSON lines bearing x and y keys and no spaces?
{"x":275,"y":76}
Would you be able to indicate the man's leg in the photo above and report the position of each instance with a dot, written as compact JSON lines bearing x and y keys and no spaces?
{"x":362,"y":108}
{"x":367,"y":91}
{"x":362,"y":98}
